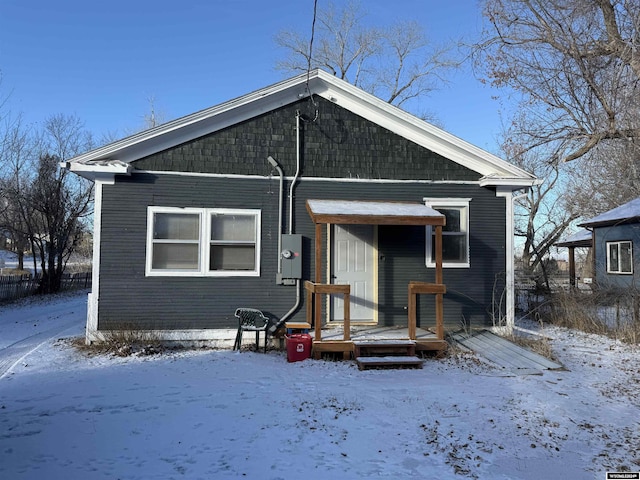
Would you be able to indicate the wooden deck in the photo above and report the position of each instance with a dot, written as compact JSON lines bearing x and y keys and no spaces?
{"x":333,"y":339}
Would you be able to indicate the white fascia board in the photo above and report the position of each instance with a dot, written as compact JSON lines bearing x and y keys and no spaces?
{"x":514,"y":183}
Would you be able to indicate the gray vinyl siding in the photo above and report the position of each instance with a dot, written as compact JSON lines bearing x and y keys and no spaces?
{"x":129,"y":298}
{"x":616,"y":233}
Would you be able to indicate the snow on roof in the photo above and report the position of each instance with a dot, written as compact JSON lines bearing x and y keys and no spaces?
{"x":581,"y":237}
{"x":623,"y":212}
{"x":373,"y":213}
{"x":387,"y":209}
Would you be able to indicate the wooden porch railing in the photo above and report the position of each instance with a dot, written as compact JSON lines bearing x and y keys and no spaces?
{"x":314,"y":305}
{"x":417,"y":288}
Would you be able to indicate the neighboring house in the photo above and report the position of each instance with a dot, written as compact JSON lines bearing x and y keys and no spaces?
{"x":188,"y":215}
{"x":615,"y":238}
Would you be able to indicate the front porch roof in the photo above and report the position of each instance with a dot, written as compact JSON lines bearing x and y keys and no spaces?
{"x":372,"y":213}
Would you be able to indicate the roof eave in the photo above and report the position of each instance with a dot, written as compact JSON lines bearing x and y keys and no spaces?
{"x":576,"y":244}
{"x":515,"y":183}
{"x":610,"y":222}
{"x":93,"y":171}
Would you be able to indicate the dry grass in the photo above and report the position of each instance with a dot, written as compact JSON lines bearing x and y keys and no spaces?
{"x":602,"y":313}
{"x":15,"y":271}
{"x":124,"y":341}
{"x":577,"y":311}
{"x":539,"y":345}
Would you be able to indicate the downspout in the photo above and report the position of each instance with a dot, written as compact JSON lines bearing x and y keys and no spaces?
{"x":507,"y":194}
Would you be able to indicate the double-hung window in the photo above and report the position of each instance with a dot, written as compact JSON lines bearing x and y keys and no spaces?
{"x":455,"y":234}
{"x":175,"y":240}
{"x":233,"y":241}
{"x":620,"y":257}
{"x":203,"y":242}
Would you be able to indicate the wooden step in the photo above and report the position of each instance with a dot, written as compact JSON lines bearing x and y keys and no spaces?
{"x":333,"y":346}
{"x":373,"y":348}
{"x":393,"y":361}
{"x":431,"y":345}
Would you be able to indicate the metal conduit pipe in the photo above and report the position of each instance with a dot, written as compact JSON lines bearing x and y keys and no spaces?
{"x":295,"y":178}
{"x":275,"y":165}
{"x":284,"y":318}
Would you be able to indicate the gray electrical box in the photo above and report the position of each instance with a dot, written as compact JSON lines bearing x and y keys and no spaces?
{"x":291,"y":256}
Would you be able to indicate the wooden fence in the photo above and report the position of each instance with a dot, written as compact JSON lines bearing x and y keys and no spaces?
{"x":13,"y":287}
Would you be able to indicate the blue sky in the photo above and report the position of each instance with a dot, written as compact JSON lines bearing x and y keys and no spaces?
{"x":102,"y":61}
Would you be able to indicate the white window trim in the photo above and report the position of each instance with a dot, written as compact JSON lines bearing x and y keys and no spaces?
{"x":617,"y":244}
{"x":203,"y":242}
{"x":447,"y":202}
{"x":207,"y":239}
{"x":149,"y":271}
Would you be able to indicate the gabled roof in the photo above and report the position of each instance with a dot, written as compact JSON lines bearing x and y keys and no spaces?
{"x":495,"y":171}
{"x":623,"y":213}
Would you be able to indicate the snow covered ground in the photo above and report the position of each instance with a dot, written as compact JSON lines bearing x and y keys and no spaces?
{"x":9,"y":262}
{"x":209,"y":414}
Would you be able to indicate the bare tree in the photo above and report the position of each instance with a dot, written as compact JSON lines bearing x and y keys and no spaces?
{"x":608,"y":178}
{"x":154,"y":116}
{"x":342,"y":45}
{"x":16,"y":151}
{"x":543,"y":213}
{"x":56,"y":205}
{"x":44,"y":204}
{"x":396,"y":63}
{"x":576,"y":64}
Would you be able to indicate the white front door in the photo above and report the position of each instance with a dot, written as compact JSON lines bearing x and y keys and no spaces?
{"x":353,"y":262}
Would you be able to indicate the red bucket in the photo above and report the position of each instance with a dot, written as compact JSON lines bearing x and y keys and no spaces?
{"x":298,"y":347}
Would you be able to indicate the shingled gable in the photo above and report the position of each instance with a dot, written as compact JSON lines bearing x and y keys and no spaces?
{"x":115,"y":157}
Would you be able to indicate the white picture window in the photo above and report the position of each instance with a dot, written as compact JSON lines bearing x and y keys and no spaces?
{"x":620,"y":257}
{"x":203,"y":242}
{"x":455,"y":234}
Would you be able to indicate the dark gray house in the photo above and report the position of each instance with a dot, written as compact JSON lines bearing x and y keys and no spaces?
{"x":615,"y":238}
{"x":207,"y":213}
